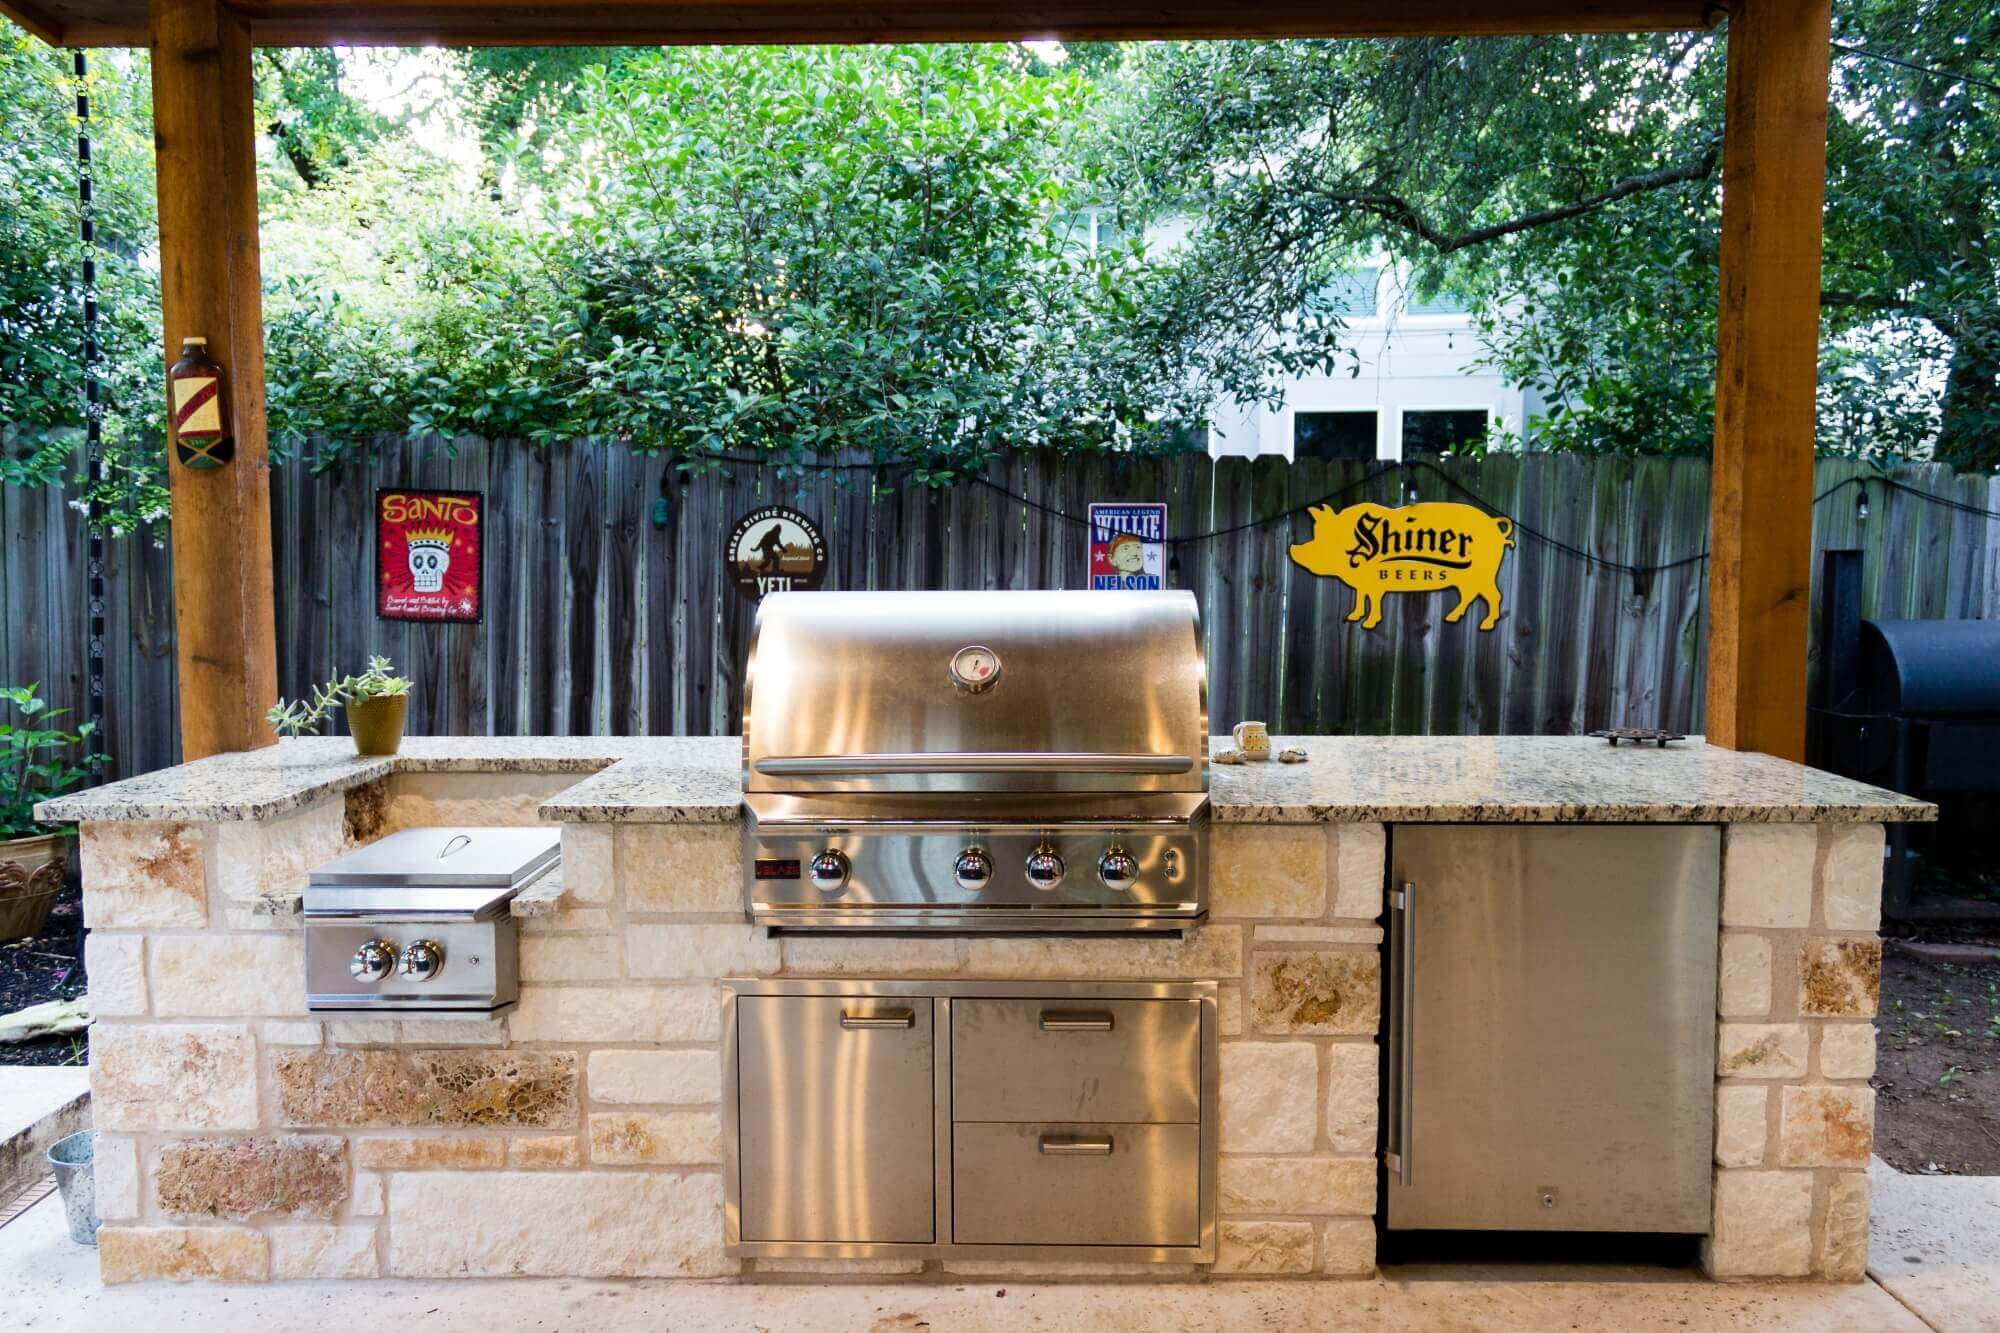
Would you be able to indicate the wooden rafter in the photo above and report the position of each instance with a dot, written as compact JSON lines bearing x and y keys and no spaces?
{"x":665,"y":22}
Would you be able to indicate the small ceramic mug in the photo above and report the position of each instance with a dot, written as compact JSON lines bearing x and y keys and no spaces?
{"x":1253,"y":739}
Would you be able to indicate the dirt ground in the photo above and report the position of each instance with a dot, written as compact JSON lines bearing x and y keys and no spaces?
{"x":45,"y":967}
{"x":1937,"y":1075}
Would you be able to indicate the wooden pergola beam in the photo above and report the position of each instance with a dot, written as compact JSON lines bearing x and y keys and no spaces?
{"x":1767,"y":358}
{"x":225,"y":638}
{"x":654,"y":22}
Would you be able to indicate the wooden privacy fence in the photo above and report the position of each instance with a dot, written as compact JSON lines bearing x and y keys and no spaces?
{"x":597,"y":621}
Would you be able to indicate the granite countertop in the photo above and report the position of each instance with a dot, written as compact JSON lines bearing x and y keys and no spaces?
{"x":257,"y":784}
{"x":696,"y":779}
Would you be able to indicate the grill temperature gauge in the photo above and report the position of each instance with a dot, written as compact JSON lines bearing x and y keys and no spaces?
{"x":975,"y":668}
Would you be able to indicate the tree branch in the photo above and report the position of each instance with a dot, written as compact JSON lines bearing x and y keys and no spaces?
{"x":1863,"y":301}
{"x":1395,"y":209}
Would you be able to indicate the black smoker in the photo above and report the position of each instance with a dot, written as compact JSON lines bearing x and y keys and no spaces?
{"x":1912,"y":705}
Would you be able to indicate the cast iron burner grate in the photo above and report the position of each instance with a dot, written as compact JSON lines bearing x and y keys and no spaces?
{"x":1638,"y":735}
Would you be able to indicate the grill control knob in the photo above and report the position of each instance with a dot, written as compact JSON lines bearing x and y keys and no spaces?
{"x":1045,"y":868}
{"x":973,"y":870}
{"x":423,"y":960}
{"x":828,"y":871}
{"x":373,"y":961}
{"x":1118,"y":868}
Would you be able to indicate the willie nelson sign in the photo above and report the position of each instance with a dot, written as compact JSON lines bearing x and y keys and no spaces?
{"x":429,"y":559}
{"x":1428,"y":547}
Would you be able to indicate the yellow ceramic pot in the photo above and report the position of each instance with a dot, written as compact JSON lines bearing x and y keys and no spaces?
{"x":377,"y":724}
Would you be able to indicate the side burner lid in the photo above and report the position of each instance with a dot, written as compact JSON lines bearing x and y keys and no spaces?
{"x":470,"y":857}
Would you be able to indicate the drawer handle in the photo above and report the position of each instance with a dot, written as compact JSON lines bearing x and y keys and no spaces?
{"x":1075,"y":1020}
{"x":888,"y":1018}
{"x":1075,"y":1145}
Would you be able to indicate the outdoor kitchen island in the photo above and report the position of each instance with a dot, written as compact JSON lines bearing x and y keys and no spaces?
{"x":582,"y":1132}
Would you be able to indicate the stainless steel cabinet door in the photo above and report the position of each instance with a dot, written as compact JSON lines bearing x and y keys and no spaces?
{"x":1552,"y":1027}
{"x":1067,"y":1184}
{"x":836,"y":1102}
{"x":1058,"y":1059}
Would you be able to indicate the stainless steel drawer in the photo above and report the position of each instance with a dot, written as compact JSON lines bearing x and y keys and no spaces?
{"x":836,"y":1097}
{"x":1059,"y":1183}
{"x":1103,"y":1061}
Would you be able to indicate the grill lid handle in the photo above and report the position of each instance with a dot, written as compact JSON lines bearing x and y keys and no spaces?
{"x":971,"y":761}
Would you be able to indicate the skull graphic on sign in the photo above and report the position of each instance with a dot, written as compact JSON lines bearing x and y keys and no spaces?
{"x":430,"y":557}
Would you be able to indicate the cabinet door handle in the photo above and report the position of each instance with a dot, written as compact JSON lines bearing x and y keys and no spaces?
{"x":887,"y":1018}
{"x":1075,"y":1145}
{"x":1075,"y":1020}
{"x":1402,"y":1031}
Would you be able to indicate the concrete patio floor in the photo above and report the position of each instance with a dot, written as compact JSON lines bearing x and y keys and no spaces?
{"x":48,"y":1284}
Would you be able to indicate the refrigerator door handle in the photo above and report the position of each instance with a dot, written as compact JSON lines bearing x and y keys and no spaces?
{"x":1402,"y":1045}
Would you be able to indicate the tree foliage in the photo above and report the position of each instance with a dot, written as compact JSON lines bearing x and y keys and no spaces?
{"x":1571,"y":187}
{"x":788,"y":250}
{"x":41,"y":276}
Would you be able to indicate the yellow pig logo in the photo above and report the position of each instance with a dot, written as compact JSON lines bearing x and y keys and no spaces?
{"x":1419,"y":548}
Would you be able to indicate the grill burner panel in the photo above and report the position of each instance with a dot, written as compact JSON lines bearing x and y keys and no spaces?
{"x":978,"y":761}
{"x":904,"y":871}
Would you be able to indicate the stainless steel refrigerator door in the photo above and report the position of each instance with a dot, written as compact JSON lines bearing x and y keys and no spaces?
{"x":1552,"y":1027}
{"x":836,"y":1103}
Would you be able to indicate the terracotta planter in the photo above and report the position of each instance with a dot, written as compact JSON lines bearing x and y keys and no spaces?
{"x":377,"y":724}
{"x":31,"y":875}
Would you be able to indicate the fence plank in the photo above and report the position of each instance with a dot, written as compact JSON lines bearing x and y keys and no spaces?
{"x":594,"y":620}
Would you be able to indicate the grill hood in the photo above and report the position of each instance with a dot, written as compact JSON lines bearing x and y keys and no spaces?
{"x":1074,"y":692}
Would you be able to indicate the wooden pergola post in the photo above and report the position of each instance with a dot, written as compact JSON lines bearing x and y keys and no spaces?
{"x":1767,"y":357}
{"x":205,"y":139}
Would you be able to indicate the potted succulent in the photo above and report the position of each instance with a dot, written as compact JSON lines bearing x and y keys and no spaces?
{"x":376,"y":702}
{"x":37,"y":761}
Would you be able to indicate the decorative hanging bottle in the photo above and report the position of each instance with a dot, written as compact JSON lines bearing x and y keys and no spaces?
{"x":201,"y":438}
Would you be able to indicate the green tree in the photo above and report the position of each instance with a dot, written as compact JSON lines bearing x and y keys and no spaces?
{"x":1570,"y":186}
{"x":41,"y":276}
{"x":309,"y":117}
{"x":800,"y":249}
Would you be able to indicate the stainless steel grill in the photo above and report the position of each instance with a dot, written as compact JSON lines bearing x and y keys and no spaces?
{"x":976,"y":761}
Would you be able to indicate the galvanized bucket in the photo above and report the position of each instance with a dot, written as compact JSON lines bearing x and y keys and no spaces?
{"x":72,"y":1158}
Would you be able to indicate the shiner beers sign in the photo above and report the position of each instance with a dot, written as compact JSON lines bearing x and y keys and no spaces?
{"x":1418,"y":548}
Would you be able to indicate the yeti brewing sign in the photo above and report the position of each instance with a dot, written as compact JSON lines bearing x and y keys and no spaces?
{"x":775,"y":549}
{"x":1128,"y":546}
{"x":1418,"y":548}
{"x":429,"y":558}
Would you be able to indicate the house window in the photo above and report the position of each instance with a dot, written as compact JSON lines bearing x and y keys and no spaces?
{"x":1428,"y":434}
{"x":1347,"y":295}
{"x":1339,"y":436}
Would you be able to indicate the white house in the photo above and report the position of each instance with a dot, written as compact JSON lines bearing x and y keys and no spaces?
{"x":1418,"y":387}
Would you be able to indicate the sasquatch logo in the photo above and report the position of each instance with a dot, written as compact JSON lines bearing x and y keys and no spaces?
{"x":775,"y":549}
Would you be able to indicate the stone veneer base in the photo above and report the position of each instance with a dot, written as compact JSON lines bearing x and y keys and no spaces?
{"x":243,"y":1139}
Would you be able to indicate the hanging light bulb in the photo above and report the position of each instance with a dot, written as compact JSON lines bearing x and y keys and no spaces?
{"x":1861,"y":503}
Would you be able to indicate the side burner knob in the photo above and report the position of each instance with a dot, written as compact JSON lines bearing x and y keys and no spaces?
{"x":373,"y":961}
{"x":423,"y":960}
{"x":1118,"y":868}
{"x":1045,"y":868}
{"x":828,"y":871}
{"x":973,"y":870}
